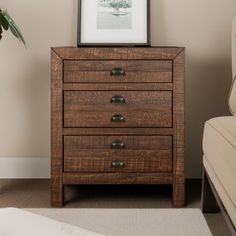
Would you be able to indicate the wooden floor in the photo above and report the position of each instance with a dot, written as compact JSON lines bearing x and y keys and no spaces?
{"x":35,"y":194}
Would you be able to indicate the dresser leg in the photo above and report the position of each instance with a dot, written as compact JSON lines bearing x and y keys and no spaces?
{"x":57,"y":196}
{"x":178,"y":197}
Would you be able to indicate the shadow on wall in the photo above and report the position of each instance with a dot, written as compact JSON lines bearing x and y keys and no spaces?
{"x":207,"y":87}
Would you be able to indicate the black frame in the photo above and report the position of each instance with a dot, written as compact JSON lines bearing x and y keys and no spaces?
{"x":79,"y":44}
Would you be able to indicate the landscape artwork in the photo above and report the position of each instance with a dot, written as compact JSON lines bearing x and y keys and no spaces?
{"x":114,"y":14}
{"x":114,"y":22}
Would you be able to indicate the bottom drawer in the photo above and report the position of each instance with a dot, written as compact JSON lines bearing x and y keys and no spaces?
{"x":118,"y":153}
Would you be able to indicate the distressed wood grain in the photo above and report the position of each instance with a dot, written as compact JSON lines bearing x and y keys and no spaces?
{"x":57,"y":191}
{"x":153,"y":128}
{"x":178,"y":129}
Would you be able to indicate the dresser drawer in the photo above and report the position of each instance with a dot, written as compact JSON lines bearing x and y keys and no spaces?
{"x":118,"y":109}
{"x":118,"y":153}
{"x":138,"y":71}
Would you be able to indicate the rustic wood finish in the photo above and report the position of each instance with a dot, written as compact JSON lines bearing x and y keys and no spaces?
{"x":141,"y":109}
{"x":118,"y":131}
{"x":107,"y":66}
{"x":74,"y":143}
{"x":133,"y":161}
{"x":178,"y":128}
{"x":152,"y":100}
{"x":118,"y":87}
{"x":140,"y":153}
{"x":57,"y":191}
{"x":117,"y":178}
{"x":146,"y":146}
{"x":132,"y":119}
{"x":111,"y":53}
{"x":104,"y":77}
{"x":99,"y":71}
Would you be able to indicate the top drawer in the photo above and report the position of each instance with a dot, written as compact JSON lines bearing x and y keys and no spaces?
{"x":138,"y":71}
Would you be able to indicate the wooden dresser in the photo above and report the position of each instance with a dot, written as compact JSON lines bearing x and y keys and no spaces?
{"x":117,"y":118}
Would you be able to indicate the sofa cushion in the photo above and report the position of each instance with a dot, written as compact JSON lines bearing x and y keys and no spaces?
{"x":232,"y":98}
{"x":219,"y":146}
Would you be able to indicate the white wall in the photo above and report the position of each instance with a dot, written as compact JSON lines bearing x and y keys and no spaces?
{"x":202,"y":26}
{"x":25,"y":74}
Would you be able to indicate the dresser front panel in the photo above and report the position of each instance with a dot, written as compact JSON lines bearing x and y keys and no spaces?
{"x":131,"y":153}
{"x":138,"y":108}
{"x":117,"y":117}
{"x":127,"y":71}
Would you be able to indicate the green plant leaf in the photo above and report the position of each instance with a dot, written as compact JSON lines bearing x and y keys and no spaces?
{"x":3,"y":21}
{"x":13,"y":27}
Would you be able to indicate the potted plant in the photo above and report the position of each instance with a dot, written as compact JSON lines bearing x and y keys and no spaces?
{"x":6,"y":23}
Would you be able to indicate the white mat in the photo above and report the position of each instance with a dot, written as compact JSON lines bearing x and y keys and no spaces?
{"x":16,"y":222}
{"x":133,"y":222}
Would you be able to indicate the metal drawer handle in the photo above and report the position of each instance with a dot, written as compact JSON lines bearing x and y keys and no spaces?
{"x":117,"y":72}
{"x":117,"y":144}
{"x":117,"y":118}
{"x":117,"y":99}
{"x":117,"y":164}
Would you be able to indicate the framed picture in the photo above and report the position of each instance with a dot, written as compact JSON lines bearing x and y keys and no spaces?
{"x":114,"y":22}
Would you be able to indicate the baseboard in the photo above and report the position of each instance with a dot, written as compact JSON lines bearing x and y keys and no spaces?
{"x":24,"y":168}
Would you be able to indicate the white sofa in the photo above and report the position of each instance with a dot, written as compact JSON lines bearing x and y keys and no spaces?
{"x":219,"y":159}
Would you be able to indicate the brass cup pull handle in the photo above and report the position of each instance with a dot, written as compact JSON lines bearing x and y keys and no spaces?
{"x":117,"y":145}
{"x":117,"y":164}
{"x":117,"y":99}
{"x":117,"y":72}
{"x":117,"y":118}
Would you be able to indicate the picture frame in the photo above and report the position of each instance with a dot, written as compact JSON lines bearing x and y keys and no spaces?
{"x":113,"y":23}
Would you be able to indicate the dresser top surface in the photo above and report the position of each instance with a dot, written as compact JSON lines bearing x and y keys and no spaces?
{"x":118,"y":53}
